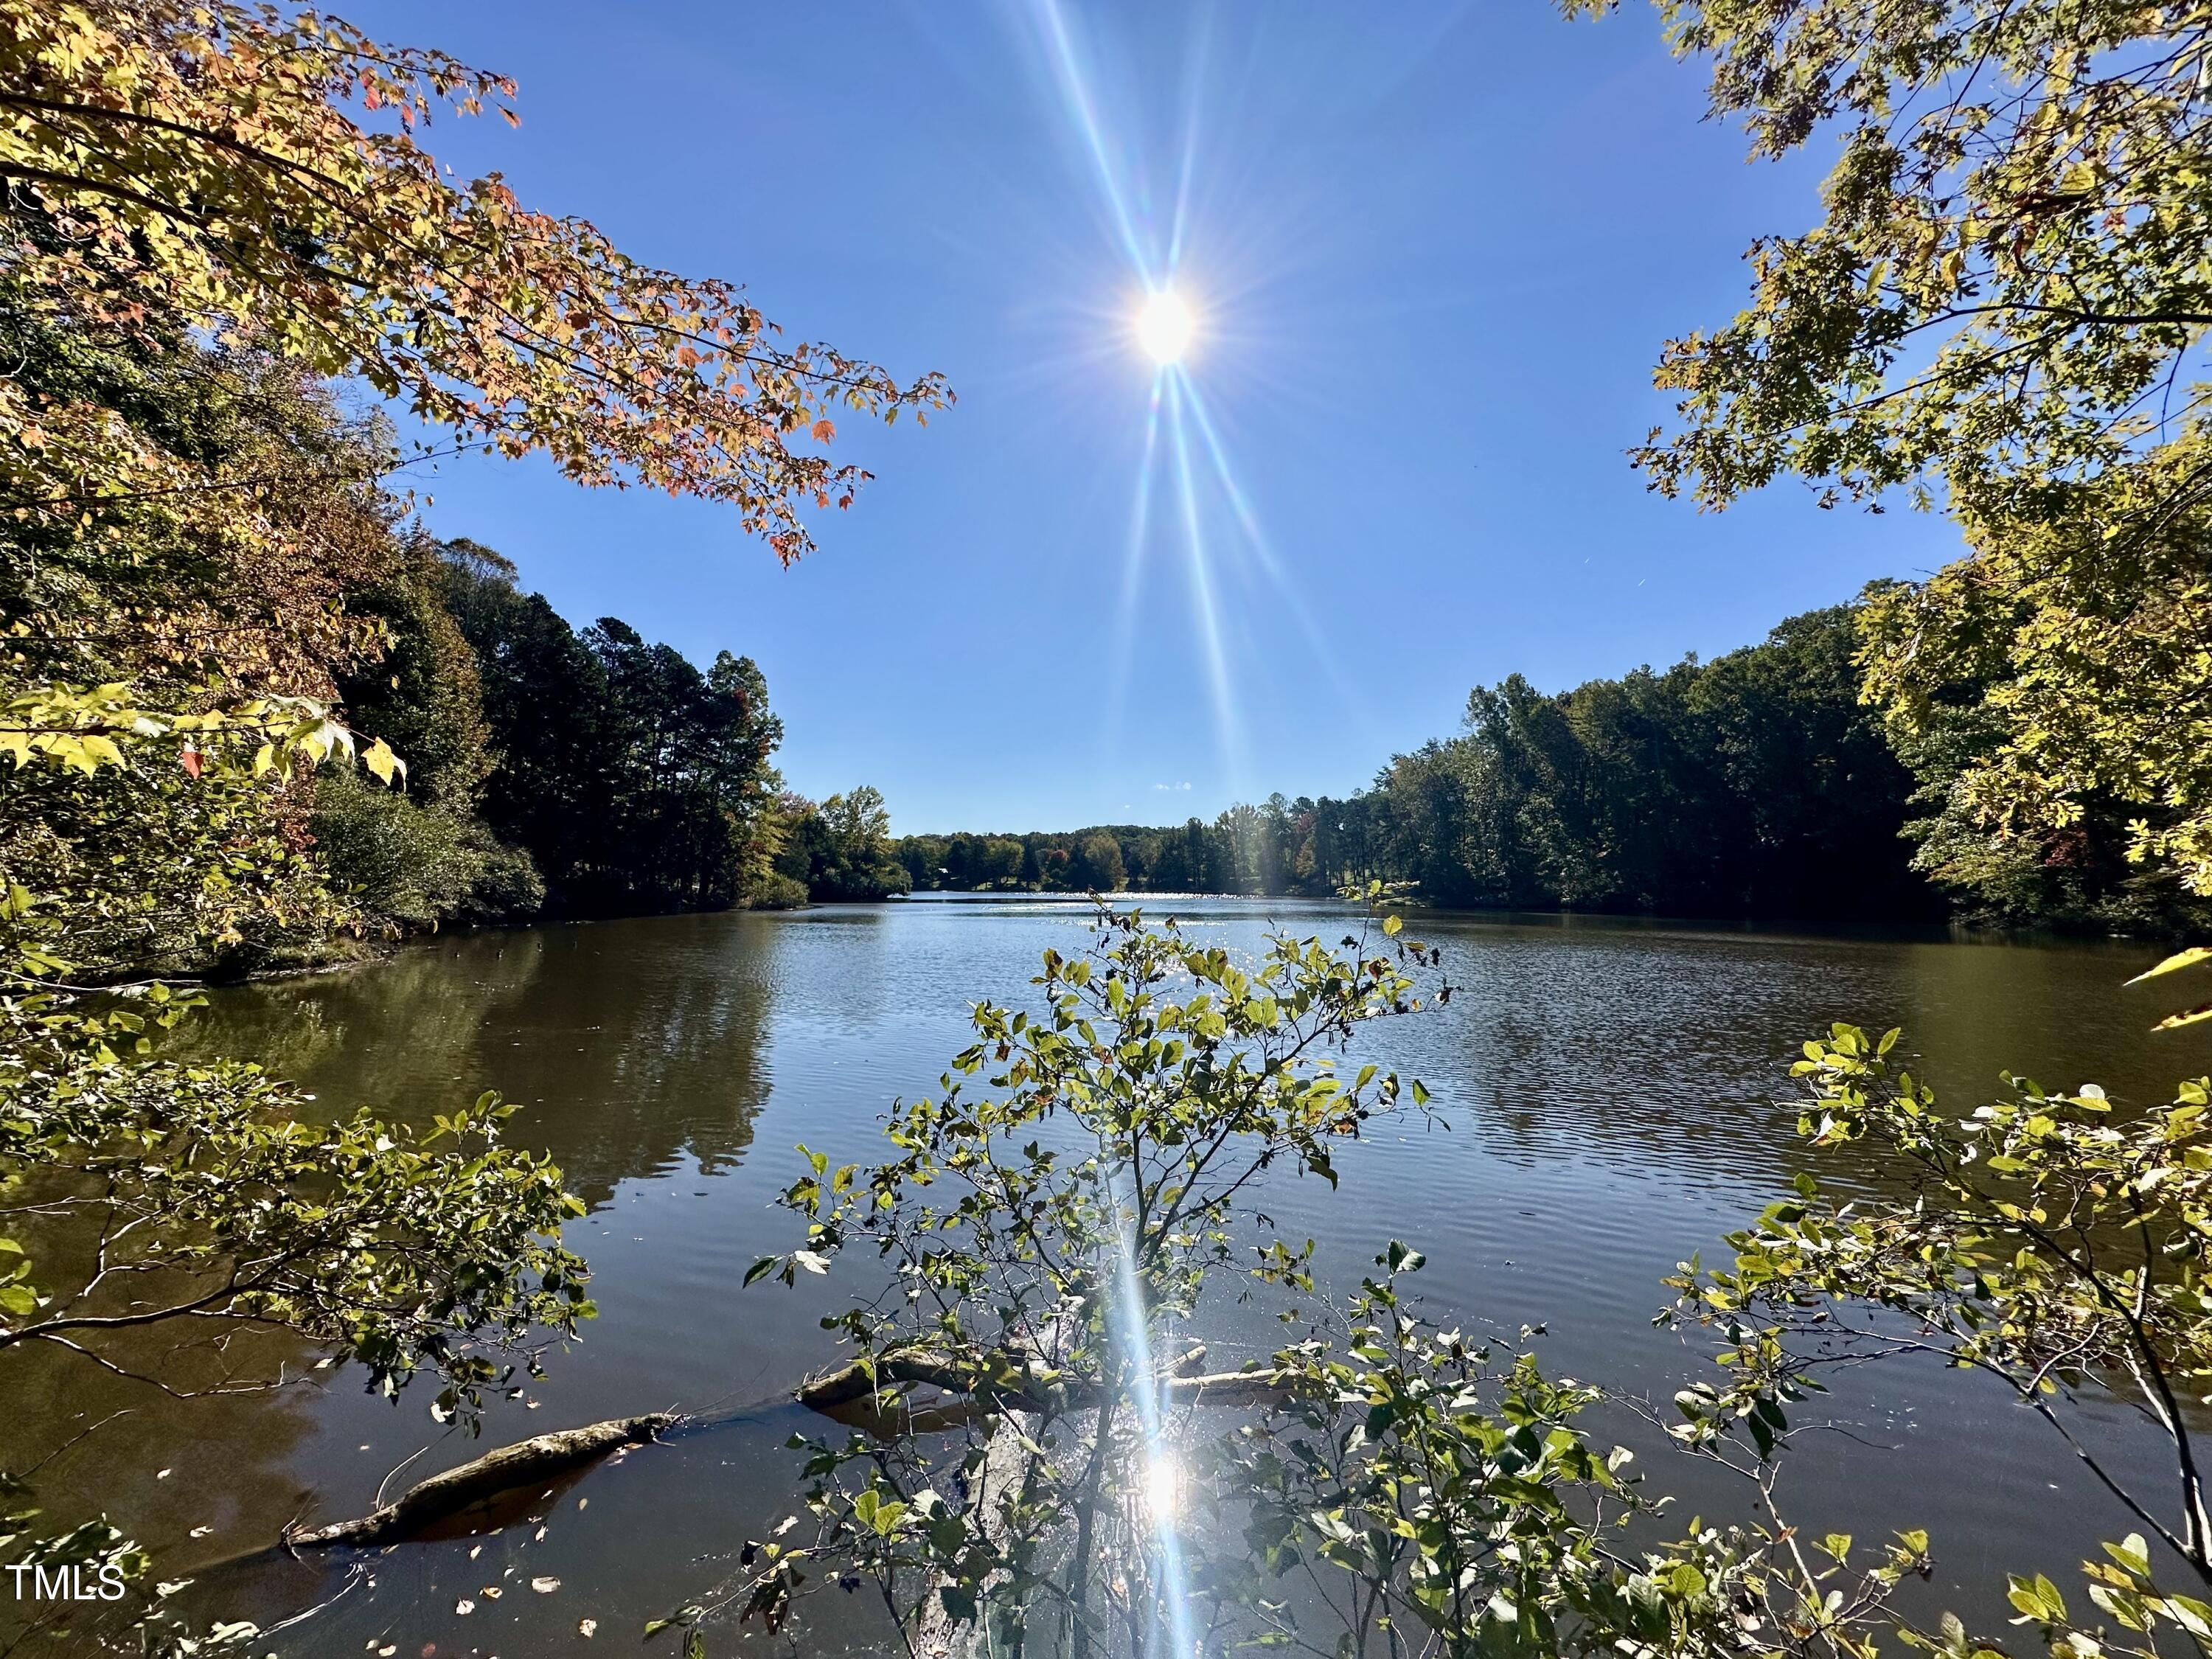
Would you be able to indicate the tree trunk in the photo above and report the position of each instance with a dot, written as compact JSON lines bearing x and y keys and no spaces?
{"x":524,"y":1463}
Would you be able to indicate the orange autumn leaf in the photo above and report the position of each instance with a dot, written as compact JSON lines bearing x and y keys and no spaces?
{"x":186,"y":177}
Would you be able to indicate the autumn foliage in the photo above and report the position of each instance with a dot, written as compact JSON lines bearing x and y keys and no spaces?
{"x":261,"y":174}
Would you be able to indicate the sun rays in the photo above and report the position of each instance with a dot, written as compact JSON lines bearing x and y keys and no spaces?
{"x":1190,"y":507}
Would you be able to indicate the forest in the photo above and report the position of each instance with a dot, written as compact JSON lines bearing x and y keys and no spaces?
{"x":628,"y":781}
{"x":1759,"y":785}
{"x":564,"y":773}
{"x":545,"y":770}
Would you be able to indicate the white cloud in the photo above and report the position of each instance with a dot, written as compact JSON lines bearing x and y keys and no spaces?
{"x":1173,"y":788}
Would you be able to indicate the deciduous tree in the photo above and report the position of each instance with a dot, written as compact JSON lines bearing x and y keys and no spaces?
{"x":2002,"y":311}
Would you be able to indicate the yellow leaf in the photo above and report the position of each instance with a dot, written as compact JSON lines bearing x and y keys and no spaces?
{"x":2176,"y":962}
{"x":381,"y":759}
{"x":2190,"y":1016}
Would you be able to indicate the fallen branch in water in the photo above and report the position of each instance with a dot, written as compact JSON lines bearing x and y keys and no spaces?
{"x":500,"y":1470}
{"x":1029,"y":1388}
{"x":1032,"y":1386}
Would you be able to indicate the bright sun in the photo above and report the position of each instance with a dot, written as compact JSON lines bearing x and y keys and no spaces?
{"x":1164,"y":327}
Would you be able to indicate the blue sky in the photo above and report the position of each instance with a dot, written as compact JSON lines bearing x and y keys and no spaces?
{"x":1433,"y":252}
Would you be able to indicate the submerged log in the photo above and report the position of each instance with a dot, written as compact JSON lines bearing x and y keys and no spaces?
{"x":1040,"y":1388}
{"x":1006,"y":1460}
{"x":523,"y":1463}
{"x":845,"y":1384}
{"x":1010,"y":1459}
{"x":1254,"y":1388}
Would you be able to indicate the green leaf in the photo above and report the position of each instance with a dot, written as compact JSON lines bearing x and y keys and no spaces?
{"x":1762,"y":1436}
{"x":2132,"y":1553}
{"x":2037,"y":1598}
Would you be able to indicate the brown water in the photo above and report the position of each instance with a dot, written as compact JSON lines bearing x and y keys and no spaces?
{"x":1612,"y":1087}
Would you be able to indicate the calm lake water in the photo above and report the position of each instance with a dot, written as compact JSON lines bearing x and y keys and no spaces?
{"x":1612,"y":1088}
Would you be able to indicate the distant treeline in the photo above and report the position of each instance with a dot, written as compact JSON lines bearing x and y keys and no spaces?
{"x":586,"y":772}
{"x":589,"y":773}
{"x":1755,"y":785}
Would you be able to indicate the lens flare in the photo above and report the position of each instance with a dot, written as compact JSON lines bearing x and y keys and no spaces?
{"x":1165,"y":327}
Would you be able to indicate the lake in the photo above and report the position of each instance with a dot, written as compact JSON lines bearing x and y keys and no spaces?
{"x":1612,"y":1089}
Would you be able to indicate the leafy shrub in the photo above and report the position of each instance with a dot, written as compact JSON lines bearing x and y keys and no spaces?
{"x":778,"y":893}
{"x":409,"y":866}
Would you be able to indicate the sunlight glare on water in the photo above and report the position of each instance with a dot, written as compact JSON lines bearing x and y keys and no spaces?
{"x":1163,"y":1486}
